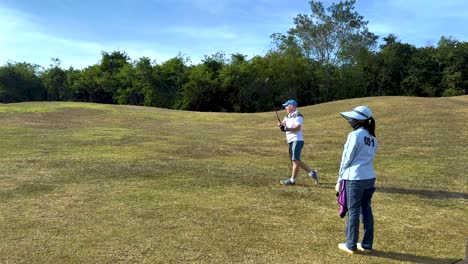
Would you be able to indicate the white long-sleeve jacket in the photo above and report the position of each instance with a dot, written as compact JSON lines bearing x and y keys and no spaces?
{"x":358,"y":156}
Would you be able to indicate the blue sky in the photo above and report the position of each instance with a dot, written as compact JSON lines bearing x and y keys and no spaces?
{"x":77,"y":31}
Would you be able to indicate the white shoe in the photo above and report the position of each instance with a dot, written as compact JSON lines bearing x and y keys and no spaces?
{"x":360,"y":248}
{"x":345,"y":249}
{"x":314,"y":175}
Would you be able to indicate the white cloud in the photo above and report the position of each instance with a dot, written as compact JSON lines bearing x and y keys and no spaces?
{"x":428,"y":8}
{"x":203,"y":33}
{"x":23,"y":41}
{"x":204,"y":27}
{"x":418,"y":22}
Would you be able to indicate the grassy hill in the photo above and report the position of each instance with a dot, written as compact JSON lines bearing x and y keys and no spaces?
{"x":89,"y":183}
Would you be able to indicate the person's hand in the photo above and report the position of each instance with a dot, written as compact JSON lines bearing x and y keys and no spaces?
{"x":282,"y":128}
{"x":338,"y":187}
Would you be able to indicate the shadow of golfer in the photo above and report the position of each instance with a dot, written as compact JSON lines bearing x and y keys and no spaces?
{"x":409,"y":257}
{"x":432,"y":194}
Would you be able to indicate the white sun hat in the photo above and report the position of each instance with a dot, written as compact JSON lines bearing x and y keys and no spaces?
{"x":358,"y":113}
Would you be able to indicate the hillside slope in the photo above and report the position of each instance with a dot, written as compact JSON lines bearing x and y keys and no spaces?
{"x":90,"y":183}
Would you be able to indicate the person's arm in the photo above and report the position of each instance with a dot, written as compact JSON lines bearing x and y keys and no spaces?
{"x":282,"y":123}
{"x":296,"y":125}
{"x":348,"y":154}
{"x":294,"y":128}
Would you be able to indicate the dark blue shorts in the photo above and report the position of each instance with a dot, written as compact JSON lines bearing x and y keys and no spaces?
{"x":295,"y":149}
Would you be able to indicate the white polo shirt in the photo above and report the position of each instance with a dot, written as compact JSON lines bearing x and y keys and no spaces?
{"x":292,"y":120}
{"x":358,"y":156}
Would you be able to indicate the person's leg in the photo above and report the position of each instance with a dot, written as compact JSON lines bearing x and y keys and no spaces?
{"x":312,"y":173}
{"x":354,"y":194}
{"x":295,"y":169}
{"x":296,"y":157}
{"x":304,"y":166}
{"x":367,"y":216}
{"x":296,"y":148}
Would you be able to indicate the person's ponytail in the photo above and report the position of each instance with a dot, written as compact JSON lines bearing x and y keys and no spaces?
{"x":371,"y":127}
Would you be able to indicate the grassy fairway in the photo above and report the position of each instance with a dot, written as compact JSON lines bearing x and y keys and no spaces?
{"x":88,"y":183}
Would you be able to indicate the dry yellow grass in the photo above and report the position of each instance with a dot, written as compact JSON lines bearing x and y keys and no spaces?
{"x":88,"y":183}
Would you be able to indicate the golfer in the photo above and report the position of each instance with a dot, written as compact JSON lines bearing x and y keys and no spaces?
{"x":292,"y":126}
{"x":357,"y":173}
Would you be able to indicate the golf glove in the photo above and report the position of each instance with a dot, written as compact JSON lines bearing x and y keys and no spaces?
{"x":283,"y":128}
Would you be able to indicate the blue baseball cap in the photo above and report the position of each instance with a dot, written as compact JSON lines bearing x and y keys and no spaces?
{"x":290,"y":102}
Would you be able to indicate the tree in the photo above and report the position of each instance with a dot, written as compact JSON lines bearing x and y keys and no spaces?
{"x":257,"y":86}
{"x":332,"y":37}
{"x":173,"y":74}
{"x":55,"y":82}
{"x":203,"y":91}
{"x":127,"y":92}
{"x":88,"y":85}
{"x":396,"y":59}
{"x":233,"y":76}
{"x":292,"y":76}
{"x":19,"y":81}
{"x":147,"y":80}
{"x":453,"y":59}
{"x":111,"y":66}
{"x":365,"y":78}
{"x":114,"y":61}
{"x":424,"y":74}
{"x":198,"y":92}
{"x":138,"y":83}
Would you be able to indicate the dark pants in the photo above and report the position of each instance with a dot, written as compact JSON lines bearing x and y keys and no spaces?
{"x":359,"y":196}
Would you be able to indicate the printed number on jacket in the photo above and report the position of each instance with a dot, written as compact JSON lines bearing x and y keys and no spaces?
{"x":369,"y":141}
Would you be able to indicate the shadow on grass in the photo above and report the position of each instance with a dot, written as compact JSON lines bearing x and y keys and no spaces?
{"x":409,"y":258}
{"x":434,"y":194}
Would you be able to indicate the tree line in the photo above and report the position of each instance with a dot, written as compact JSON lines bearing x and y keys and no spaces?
{"x":328,"y":55}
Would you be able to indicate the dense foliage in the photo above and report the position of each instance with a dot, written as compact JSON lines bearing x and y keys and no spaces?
{"x":328,"y":55}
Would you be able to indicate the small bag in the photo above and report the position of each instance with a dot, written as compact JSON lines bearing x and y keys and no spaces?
{"x":342,"y":199}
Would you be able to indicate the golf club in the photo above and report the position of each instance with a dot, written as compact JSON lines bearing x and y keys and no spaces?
{"x":279,"y":120}
{"x":274,"y":108}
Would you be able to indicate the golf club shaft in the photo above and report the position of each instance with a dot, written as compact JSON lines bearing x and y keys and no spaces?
{"x":277,"y":116}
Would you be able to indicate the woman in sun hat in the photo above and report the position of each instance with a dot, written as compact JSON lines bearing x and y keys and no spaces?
{"x":358,"y":176}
